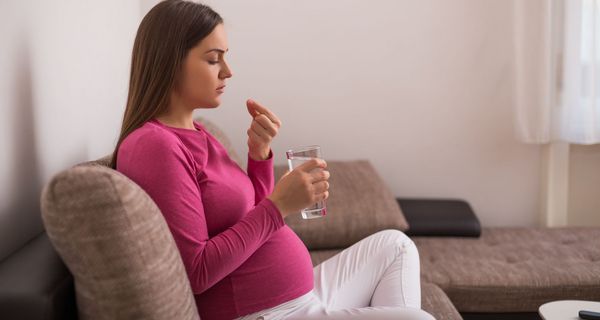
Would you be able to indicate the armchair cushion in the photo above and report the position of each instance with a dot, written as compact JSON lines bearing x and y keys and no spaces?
{"x":117,"y":245}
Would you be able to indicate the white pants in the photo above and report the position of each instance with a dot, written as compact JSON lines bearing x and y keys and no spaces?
{"x":376,"y":278}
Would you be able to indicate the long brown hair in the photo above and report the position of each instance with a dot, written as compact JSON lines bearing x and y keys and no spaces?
{"x":164,"y":38}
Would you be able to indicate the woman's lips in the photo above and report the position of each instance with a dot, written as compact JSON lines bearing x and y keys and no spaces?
{"x":221,"y":89}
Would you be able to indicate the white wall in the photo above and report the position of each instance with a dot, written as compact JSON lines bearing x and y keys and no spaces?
{"x":65,"y":67}
{"x":423,"y":89}
{"x":19,"y":174}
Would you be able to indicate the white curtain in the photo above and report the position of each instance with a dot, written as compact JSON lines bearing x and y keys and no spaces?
{"x":557,"y":55}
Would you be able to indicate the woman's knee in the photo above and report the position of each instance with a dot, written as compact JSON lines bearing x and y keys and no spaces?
{"x":397,"y":238}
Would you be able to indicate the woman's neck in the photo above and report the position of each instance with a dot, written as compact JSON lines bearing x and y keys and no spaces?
{"x":177,"y":122}
{"x":178,"y":115}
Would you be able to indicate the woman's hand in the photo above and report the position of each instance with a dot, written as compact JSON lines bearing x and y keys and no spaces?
{"x":263,"y":129}
{"x":306,"y":185}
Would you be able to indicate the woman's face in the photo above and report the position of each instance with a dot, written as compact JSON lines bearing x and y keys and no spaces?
{"x":204,"y":72}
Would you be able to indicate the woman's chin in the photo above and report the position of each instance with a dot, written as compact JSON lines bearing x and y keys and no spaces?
{"x":210,"y":105}
{"x":216,"y":101}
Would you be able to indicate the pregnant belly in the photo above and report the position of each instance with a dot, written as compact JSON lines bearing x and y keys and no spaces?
{"x":282,"y":263}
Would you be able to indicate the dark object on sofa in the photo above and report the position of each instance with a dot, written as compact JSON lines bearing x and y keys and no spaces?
{"x":440,"y":217}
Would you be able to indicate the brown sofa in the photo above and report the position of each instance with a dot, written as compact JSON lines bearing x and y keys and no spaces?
{"x":506,"y":273}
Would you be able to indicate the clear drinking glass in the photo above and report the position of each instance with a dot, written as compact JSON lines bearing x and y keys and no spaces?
{"x":298,"y":156}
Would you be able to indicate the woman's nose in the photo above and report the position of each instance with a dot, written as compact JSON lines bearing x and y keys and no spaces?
{"x":226,"y":72}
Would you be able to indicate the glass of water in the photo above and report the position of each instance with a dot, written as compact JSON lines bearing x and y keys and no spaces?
{"x":298,"y":156}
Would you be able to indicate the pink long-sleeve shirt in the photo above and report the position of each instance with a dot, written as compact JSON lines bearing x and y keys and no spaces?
{"x":239,"y":254}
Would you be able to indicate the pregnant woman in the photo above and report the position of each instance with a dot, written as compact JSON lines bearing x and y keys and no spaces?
{"x":242,"y":260}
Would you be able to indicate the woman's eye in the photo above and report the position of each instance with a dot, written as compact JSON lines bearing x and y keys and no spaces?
{"x":213,"y":62}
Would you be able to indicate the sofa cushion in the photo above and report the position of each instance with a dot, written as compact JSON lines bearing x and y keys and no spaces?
{"x":437,"y":303}
{"x":318,"y":256}
{"x":359,"y":205}
{"x":514,"y":269}
{"x":117,"y":245}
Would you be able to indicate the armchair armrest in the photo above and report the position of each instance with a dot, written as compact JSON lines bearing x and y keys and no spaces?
{"x":439,"y":217}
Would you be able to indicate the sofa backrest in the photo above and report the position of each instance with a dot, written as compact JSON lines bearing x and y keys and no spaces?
{"x":117,"y":245}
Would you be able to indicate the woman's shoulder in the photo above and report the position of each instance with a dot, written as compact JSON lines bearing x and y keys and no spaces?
{"x":151,"y":150}
{"x":151,"y":138}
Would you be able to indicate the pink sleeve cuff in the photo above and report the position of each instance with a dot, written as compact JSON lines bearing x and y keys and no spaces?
{"x":274,"y":211}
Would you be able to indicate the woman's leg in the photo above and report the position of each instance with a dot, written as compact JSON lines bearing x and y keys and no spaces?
{"x":376,"y":278}
{"x":379,"y":270}
{"x":367,"y":313}
{"x":400,"y":285}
